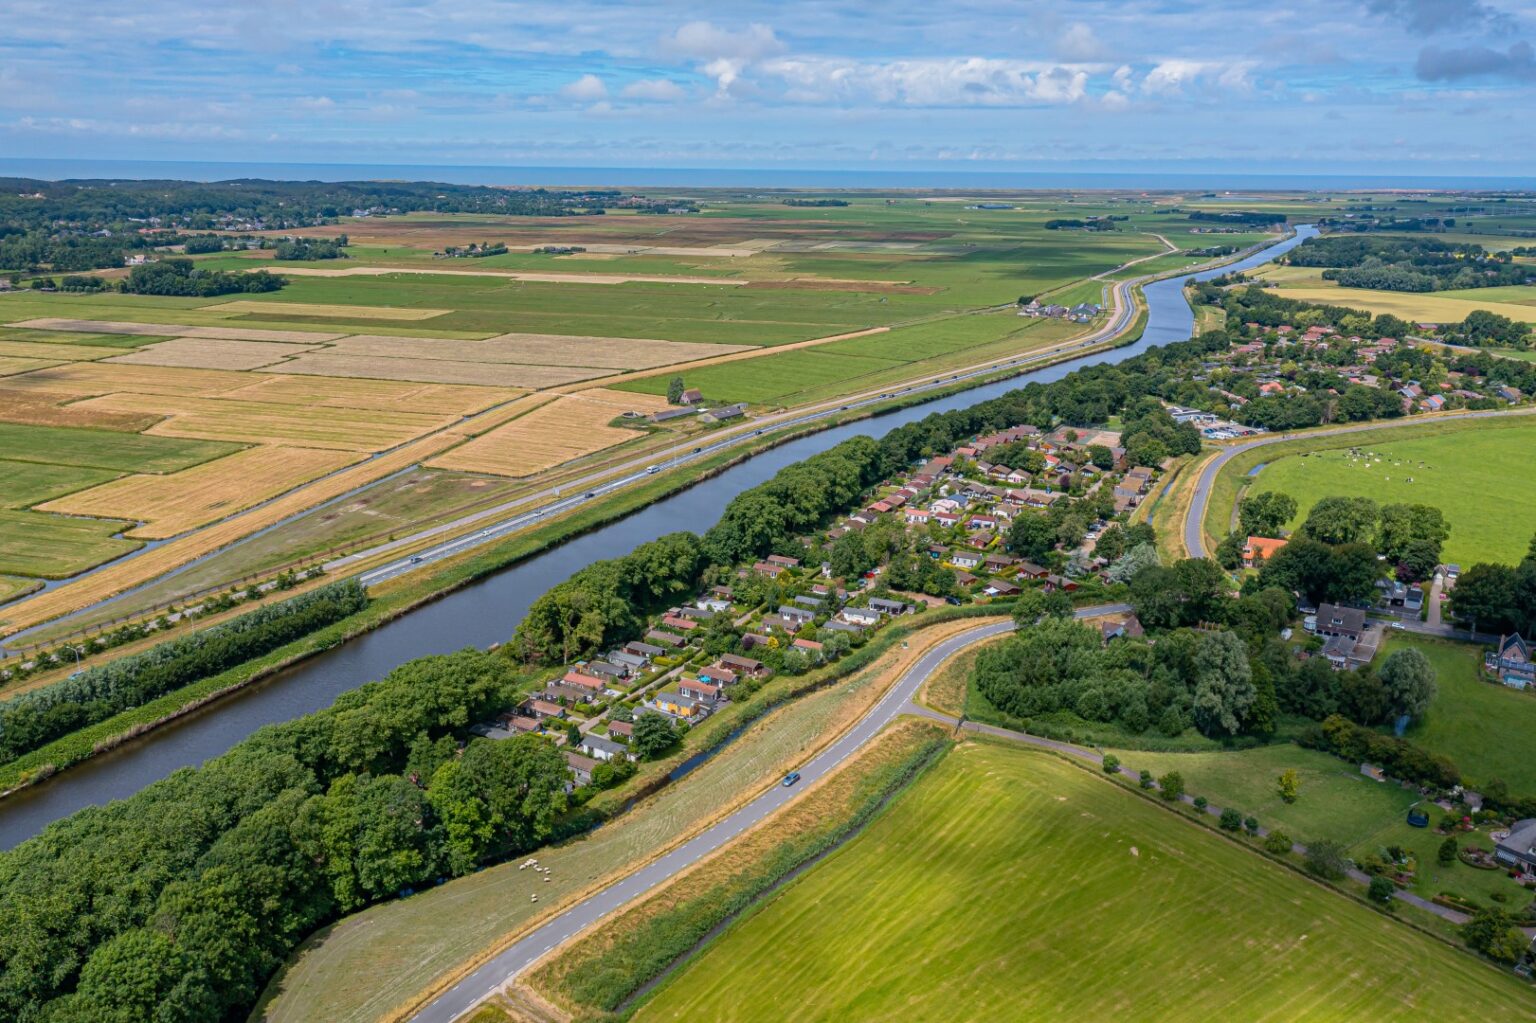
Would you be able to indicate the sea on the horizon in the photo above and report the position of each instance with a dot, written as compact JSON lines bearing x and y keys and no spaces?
{"x":673,"y":177}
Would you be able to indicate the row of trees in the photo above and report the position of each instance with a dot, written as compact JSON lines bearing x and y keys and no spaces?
{"x":1345,"y":546}
{"x":42,"y":715}
{"x":1407,"y":264}
{"x":1498,"y":598}
{"x":181,"y":277}
{"x":179,"y":902}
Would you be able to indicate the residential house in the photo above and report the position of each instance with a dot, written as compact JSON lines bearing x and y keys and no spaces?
{"x":782,"y":561}
{"x":678,"y":706}
{"x":543,"y":709}
{"x":1002,"y":588}
{"x":965,"y":559}
{"x":699,"y":690}
{"x":810,"y":646}
{"x":1510,"y":662}
{"x":646,"y":650}
{"x":625,"y":729}
{"x":863,"y":616}
{"x":1518,"y":848}
{"x":666,"y":639}
{"x":599,"y":748}
{"x":889,"y":607}
{"x":590,"y":685}
{"x":692,"y":396}
{"x":744,"y":665}
{"x":1333,"y":620}
{"x":1260,"y":549}
{"x":581,"y":768}
{"x":719,"y":674}
{"x":679,"y":623}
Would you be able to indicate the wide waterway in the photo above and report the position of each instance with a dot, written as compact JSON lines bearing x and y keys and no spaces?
{"x":488,"y":611}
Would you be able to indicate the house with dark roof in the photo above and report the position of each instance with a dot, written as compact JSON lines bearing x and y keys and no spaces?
{"x":1333,"y":620}
{"x":1518,"y":848}
{"x":1510,"y":662}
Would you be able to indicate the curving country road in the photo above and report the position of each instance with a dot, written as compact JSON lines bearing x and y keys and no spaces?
{"x":507,"y":964}
{"x":1194,"y":520}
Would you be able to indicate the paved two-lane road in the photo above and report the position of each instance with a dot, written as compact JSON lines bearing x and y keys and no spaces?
{"x":507,"y":964}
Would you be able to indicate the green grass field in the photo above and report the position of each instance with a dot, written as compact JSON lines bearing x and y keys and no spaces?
{"x":1485,"y":728}
{"x":1337,"y":801}
{"x":23,"y":484}
{"x":105,"y":449}
{"x":1465,"y":473}
{"x":1009,"y":885}
{"x":56,"y":546}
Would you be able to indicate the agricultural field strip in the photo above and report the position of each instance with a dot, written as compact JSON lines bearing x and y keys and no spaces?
{"x":178,"y":330}
{"x":169,"y":505}
{"x":173,"y":555}
{"x":1058,"y":893}
{"x":567,"y":428}
{"x":515,"y":275}
{"x":346,"y":312}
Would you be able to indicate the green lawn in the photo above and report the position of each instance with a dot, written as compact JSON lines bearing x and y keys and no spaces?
{"x":1337,"y":802}
{"x":1465,"y":473}
{"x":1009,"y":885}
{"x":1485,"y":728}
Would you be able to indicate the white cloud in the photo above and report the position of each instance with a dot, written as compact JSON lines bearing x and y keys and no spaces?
{"x":315,"y":103}
{"x":722,"y":54}
{"x":958,"y":81}
{"x":1176,"y":77}
{"x":587,"y":89}
{"x":1078,"y":43}
{"x":655,"y":90}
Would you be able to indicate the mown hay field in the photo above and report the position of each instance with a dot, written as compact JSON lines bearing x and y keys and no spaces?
{"x":439,"y":371}
{"x":1020,"y":887}
{"x":404,"y":396}
{"x":178,"y":330}
{"x":567,"y":428}
{"x":171,"y":504}
{"x":10,"y":365}
{"x":210,"y":353}
{"x":93,"y":378}
{"x":43,"y":409}
{"x":55,"y":353}
{"x":255,"y":422}
{"x":537,"y":349}
{"x":340,"y":312}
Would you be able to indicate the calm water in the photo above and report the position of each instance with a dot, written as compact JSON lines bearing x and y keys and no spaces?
{"x":727,"y":177}
{"x":488,"y":611}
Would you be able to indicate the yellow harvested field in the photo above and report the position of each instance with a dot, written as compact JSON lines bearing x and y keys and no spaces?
{"x":116,"y":578}
{"x":83,"y":379}
{"x":38,"y":409}
{"x":210,"y":353}
{"x":56,"y":353}
{"x":1410,"y":305}
{"x":513,"y":275}
{"x":173,"y":503}
{"x":448,"y":399}
{"x":345,"y":312}
{"x":539,"y":350}
{"x":568,"y":427}
{"x":299,"y":337}
{"x":439,"y":371}
{"x":10,"y":365}
{"x":255,"y":422}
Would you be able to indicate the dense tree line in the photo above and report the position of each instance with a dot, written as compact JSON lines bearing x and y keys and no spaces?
{"x":1247,"y":218}
{"x":179,"y":902}
{"x":1407,"y":264}
{"x":314,"y":248}
{"x":181,"y":277}
{"x":34,"y":249}
{"x":278,"y":204}
{"x":815,"y":202}
{"x":1498,"y":598}
{"x":95,"y":694}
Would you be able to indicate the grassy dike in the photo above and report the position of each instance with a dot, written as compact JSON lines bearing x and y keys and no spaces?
{"x":400,"y":596}
{"x":604,"y":971}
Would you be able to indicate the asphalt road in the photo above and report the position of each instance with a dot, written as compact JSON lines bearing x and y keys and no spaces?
{"x":507,"y":964}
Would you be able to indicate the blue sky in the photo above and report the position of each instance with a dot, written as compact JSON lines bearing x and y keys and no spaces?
{"x":1348,"y":86}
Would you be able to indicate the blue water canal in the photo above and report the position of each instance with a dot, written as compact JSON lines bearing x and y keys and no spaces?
{"x":488,"y":611}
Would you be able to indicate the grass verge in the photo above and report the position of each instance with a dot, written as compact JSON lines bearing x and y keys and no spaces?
{"x":605,"y":970}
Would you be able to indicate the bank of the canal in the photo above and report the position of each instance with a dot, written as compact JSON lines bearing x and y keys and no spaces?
{"x":487,"y":611}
